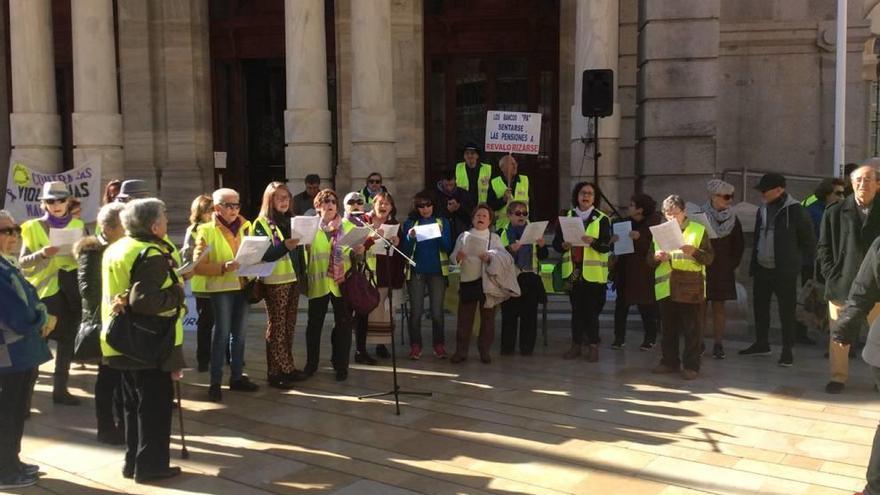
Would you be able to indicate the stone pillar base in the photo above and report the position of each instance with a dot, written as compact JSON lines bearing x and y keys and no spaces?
{"x":36,"y":136}
{"x":369,"y":157}
{"x":304,"y":159}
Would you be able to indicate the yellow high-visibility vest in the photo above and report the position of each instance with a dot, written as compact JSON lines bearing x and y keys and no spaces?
{"x":485,"y":175}
{"x":283,"y":272}
{"x":520,"y":193}
{"x":594,"y":266}
{"x":320,"y":283}
{"x":220,"y":253}
{"x":693,"y":236}
{"x":44,"y":276}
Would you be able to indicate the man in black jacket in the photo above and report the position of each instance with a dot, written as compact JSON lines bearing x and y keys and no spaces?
{"x":783,"y":239}
{"x":848,"y":229}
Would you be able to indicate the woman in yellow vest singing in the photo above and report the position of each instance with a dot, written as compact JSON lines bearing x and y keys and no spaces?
{"x":282,"y":293}
{"x":216,"y":278}
{"x":52,"y":271}
{"x":587,"y":269}
{"x":680,"y":293}
{"x":328,"y":261}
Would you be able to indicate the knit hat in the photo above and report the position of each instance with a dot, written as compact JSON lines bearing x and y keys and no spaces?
{"x":718,"y":186}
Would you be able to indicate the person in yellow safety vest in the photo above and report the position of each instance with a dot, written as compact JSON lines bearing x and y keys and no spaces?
{"x":680,"y":319}
{"x":507,"y":187}
{"x":215,"y":277}
{"x":522,"y":311}
{"x":328,"y":262}
{"x":430,"y":273}
{"x":374,"y":328}
{"x":137,"y":275}
{"x":374,"y":186}
{"x":201,"y":211}
{"x":280,"y":288}
{"x":587,"y":268}
{"x":138,"y":189}
{"x":52,"y":271}
{"x":473,"y":176}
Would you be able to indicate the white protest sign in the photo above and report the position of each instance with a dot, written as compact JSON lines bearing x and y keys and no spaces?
{"x":513,"y":132}
{"x":24,"y":185}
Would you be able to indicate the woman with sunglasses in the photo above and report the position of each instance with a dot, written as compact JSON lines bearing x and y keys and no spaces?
{"x":728,"y":248}
{"x":432,"y":268}
{"x":328,"y":262}
{"x":53,"y":273}
{"x":10,"y":233}
{"x":280,"y":288}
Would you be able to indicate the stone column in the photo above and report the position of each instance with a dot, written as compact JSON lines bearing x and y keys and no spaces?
{"x":307,"y":118}
{"x":372,"y":110}
{"x":34,"y":122}
{"x":596,"y":47}
{"x":97,"y":123}
{"x":678,"y":84}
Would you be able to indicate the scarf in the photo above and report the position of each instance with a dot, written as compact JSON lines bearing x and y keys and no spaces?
{"x":333,"y":229}
{"x":57,"y":222}
{"x":523,"y":256}
{"x":282,"y":221}
{"x":722,"y":221}
{"x":584,"y":215}
{"x":232,"y":226}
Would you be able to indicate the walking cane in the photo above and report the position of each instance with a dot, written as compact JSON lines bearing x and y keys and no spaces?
{"x":184,"y":454}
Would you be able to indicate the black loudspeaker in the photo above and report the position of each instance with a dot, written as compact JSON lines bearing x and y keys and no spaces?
{"x":597,"y":93}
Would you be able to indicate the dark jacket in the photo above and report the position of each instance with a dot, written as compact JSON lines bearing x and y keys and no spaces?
{"x":89,"y":251}
{"x":721,"y":274}
{"x":633,"y":277}
{"x":21,"y":322}
{"x":459,"y":220}
{"x":865,"y":293}
{"x":843,"y":241}
{"x":793,"y":240}
{"x":601,"y":245}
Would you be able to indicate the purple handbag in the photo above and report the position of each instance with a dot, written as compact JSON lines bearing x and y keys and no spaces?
{"x":359,"y":290}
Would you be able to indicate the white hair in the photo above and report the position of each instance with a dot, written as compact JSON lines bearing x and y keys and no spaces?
{"x":217,"y":196}
{"x":108,"y":215}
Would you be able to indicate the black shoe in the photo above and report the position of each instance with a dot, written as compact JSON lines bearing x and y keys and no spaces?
{"x":618,"y":345}
{"x":203,"y":367}
{"x":26,"y":468}
{"x":162,"y":474}
{"x":214,"y":393}
{"x":310,"y":369}
{"x":341,"y":375}
{"x":756,"y":350}
{"x":243,"y":384}
{"x":382,"y":352}
{"x":295,"y":376}
{"x":834,"y":387}
{"x":279,"y":382}
{"x":111,"y":436}
{"x":805,"y":340}
{"x":64,"y":398}
{"x":128,"y":472}
{"x":647,"y":345}
{"x":364,"y":358}
{"x":718,"y":351}
{"x":17,"y":479}
{"x":786,"y":359}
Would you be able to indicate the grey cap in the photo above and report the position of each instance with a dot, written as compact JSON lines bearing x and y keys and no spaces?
{"x":54,"y":190}
{"x":133,"y":189}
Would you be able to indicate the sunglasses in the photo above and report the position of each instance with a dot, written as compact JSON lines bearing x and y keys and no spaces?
{"x":53,"y":201}
{"x":231,"y":206}
{"x":14,"y":230}
{"x":520,"y":213}
{"x":424,"y":205}
{"x":728,"y":197}
{"x":375,"y":181}
{"x":329,"y":201}
{"x":356,"y":202}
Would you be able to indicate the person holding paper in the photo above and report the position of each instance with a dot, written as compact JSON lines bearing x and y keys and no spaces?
{"x":280,"y":288}
{"x":473,"y":176}
{"x":634,"y":277}
{"x":54,"y":276}
{"x":587,"y":269}
{"x":430,"y":274}
{"x":470,"y":292}
{"x":215,"y":278}
{"x":200,"y":212}
{"x":521,"y":311}
{"x":507,"y":187}
{"x":328,"y":263}
{"x":389,"y":275}
{"x":89,"y":252}
{"x":680,"y":294}
{"x":728,"y":247}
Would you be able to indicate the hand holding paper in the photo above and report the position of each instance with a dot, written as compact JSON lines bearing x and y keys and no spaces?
{"x":252,"y":249}
{"x":64,"y":239}
{"x":426,"y":232}
{"x":668,"y":236}
{"x":304,"y":228}
{"x":572,"y":230}
{"x":624,"y":243}
{"x":533,"y":232}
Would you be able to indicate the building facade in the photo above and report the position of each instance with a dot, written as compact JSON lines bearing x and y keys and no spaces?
{"x":344,"y":88}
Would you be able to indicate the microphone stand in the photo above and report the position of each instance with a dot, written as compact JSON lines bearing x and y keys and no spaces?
{"x":396,"y":391}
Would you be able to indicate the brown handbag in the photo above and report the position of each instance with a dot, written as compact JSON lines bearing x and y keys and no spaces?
{"x":686,"y":287}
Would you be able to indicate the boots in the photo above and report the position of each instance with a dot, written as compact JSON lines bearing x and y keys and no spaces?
{"x":593,"y":353}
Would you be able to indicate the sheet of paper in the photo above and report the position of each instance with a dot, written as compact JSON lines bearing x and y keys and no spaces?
{"x":64,"y":239}
{"x":473,"y":245}
{"x":355,"y":237}
{"x":668,"y":236}
{"x":572,"y":230}
{"x":191,"y":265}
{"x":388,"y":232}
{"x":257,"y":270}
{"x":533,"y":232}
{"x":703,"y":220}
{"x":624,"y":244}
{"x":252,"y":249}
{"x":426,"y":232}
{"x":304,"y":228}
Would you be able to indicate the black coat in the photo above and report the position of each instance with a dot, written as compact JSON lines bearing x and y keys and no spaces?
{"x":794,"y":240}
{"x":90,"y":251}
{"x":844,"y":239}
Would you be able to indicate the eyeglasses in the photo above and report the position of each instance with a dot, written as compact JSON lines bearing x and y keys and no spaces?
{"x":356,"y":202}
{"x":329,"y":201}
{"x":231,"y":206}
{"x":728,"y":197}
{"x":14,"y":230}
{"x":520,"y":213}
{"x":424,"y":205}
{"x":53,"y":201}
{"x":375,"y":181}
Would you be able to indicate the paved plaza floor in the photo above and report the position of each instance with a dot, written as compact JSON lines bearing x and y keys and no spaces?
{"x":520,"y":425}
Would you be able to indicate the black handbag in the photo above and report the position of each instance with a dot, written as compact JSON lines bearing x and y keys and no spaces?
{"x":148,"y":339}
{"x":87,"y":344}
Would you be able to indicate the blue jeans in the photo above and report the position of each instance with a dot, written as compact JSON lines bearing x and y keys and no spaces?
{"x":436,"y":285}
{"x":230,"y":314}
